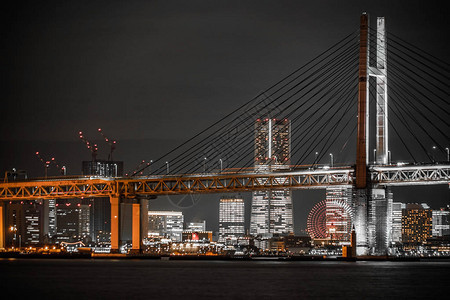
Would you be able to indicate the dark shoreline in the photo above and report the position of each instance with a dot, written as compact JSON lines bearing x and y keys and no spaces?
{"x":15,"y":255}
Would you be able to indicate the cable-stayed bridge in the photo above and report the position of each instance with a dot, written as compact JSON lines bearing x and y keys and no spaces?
{"x":326,"y":102}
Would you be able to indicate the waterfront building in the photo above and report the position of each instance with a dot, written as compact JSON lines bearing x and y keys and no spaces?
{"x":197,"y":236}
{"x":416,"y":223}
{"x":379,"y":220}
{"x":272,"y":211}
{"x":396,"y":222}
{"x":33,"y":214}
{"x":196,"y":226}
{"x":441,"y":222}
{"x":24,"y":223}
{"x":72,"y":221}
{"x":100,"y":220}
{"x":166,"y":223}
{"x":231,"y":219}
{"x":339,"y":213}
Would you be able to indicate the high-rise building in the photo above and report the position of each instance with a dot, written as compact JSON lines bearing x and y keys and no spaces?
{"x":100,"y":219}
{"x":24,"y":223}
{"x":416,"y":223}
{"x":379,"y":221}
{"x":51,"y":217}
{"x":72,"y":221}
{"x":396,"y":222}
{"x":272,"y":210}
{"x":339,"y":213}
{"x":441,"y":222}
{"x":33,"y":214}
{"x":166,"y":223}
{"x":231,"y":220}
{"x":102,"y":168}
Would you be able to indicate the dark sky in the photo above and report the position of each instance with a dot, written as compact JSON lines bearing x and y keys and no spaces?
{"x":153,"y":73}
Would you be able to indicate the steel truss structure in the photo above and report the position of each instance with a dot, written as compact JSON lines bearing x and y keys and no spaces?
{"x":410,"y":175}
{"x":81,"y":187}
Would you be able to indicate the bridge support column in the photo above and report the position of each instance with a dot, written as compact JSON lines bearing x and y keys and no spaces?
{"x":2,"y":225}
{"x":144,"y":221}
{"x":115,"y":223}
{"x":362,"y":191}
{"x":136,"y":228}
{"x":361,"y":196}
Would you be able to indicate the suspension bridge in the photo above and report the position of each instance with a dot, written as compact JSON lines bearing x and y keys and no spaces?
{"x":326,"y":102}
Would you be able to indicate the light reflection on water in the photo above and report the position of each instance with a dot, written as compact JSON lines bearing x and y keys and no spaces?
{"x":89,"y":278}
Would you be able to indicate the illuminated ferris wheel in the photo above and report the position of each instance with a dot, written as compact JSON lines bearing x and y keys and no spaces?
{"x":316,"y":224}
{"x":330,"y":219}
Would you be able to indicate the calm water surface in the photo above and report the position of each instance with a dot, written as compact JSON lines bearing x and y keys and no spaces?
{"x":155,"y":279}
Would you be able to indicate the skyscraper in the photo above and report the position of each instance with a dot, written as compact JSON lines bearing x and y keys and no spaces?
{"x":339,"y":212}
{"x":72,"y":221}
{"x":379,"y":221}
{"x":272,"y":210}
{"x":24,"y":223}
{"x":396,"y":222}
{"x":231,"y":220}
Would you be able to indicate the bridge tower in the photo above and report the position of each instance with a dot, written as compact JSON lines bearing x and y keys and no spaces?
{"x":361,"y":195}
{"x":372,"y":203}
{"x":380,"y":201}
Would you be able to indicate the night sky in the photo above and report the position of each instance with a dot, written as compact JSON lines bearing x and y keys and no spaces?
{"x":153,"y":73}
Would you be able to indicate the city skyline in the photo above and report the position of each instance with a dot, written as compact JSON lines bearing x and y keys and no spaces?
{"x":26,"y":161}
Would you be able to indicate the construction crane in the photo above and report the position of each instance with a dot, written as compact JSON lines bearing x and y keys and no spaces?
{"x":139,"y":167}
{"x":92,"y":147}
{"x":45,"y":162}
{"x":52,"y":161}
{"x":111,"y":143}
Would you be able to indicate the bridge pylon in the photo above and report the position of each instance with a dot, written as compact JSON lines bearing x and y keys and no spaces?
{"x":361,"y":195}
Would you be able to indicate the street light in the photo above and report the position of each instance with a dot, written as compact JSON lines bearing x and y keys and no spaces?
{"x":167,"y":167}
{"x":448,"y":154}
{"x":150,"y":165}
{"x":374,"y":156}
{"x":331,"y":160}
{"x":14,"y":229}
{"x":389,"y":157}
{"x":434,"y":155}
{"x":315,"y":158}
{"x":221,"y":164}
{"x":204,"y":165}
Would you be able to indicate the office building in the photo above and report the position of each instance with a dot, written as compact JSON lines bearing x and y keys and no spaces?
{"x":72,"y":221}
{"x":441,"y":222}
{"x":166,"y":224}
{"x":271,"y":211}
{"x":24,"y":223}
{"x":396,"y":222}
{"x":339,"y":213}
{"x":196,"y":226}
{"x":416,"y":223}
{"x":102,"y":168}
{"x":231,"y":220}
{"x":379,"y":220}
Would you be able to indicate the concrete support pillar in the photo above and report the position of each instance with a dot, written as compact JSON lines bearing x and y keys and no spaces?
{"x":115,"y":223}
{"x":2,"y":225}
{"x":144,"y":220}
{"x":136,"y":228}
{"x":361,"y":201}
